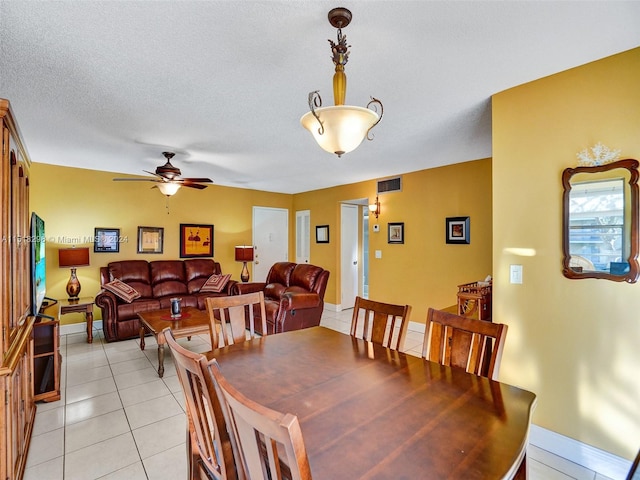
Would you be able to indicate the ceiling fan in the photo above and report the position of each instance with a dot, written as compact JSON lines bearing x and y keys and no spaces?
{"x":168,"y":178}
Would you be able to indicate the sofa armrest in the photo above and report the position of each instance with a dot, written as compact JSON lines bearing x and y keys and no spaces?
{"x":230,"y":287}
{"x":107,"y":302}
{"x":299,"y":300}
{"x":242,"y":288}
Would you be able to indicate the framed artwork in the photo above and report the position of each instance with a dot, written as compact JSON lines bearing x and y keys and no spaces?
{"x":196,"y":240}
{"x":395,"y":232}
{"x":457,"y":230}
{"x":106,"y":240}
{"x":150,"y":239}
{"x":322,"y":234}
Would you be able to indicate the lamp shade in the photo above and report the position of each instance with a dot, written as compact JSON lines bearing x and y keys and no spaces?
{"x":73,"y":257}
{"x":344,"y":127}
{"x":168,"y":188}
{"x":244,"y":253}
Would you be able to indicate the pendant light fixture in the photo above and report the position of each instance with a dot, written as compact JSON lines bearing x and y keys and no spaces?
{"x":341,"y":128}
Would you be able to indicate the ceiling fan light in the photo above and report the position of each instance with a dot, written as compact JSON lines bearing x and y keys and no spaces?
{"x":344,"y":127}
{"x":168,"y":188}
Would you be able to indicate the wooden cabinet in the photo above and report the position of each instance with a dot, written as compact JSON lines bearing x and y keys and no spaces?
{"x":17,"y":407}
{"x":46,"y":358}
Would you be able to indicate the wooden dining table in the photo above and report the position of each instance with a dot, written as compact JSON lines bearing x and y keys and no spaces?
{"x":368,"y":412}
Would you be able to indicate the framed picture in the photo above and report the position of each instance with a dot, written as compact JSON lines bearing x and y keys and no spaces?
{"x":322,"y":233}
{"x":150,"y":239}
{"x":395,"y":232}
{"x":457,"y":230}
{"x":106,"y":240}
{"x":196,"y":240}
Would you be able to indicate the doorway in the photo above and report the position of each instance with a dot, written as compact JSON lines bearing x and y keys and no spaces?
{"x":270,"y":239}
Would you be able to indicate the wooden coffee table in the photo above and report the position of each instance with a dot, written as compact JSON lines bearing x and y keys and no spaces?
{"x":192,"y":322}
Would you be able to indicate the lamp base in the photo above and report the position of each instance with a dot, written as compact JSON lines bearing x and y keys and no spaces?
{"x":73,"y":286}
{"x":244,"y":275}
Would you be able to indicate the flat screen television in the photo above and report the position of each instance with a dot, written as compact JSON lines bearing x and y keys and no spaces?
{"x":38,"y":263}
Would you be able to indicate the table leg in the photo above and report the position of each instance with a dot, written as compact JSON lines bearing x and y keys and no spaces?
{"x":89,"y":326}
{"x":141,"y":337}
{"x":160,"y":359}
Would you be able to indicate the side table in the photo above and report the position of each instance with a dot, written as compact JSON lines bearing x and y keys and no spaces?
{"x":82,"y":305}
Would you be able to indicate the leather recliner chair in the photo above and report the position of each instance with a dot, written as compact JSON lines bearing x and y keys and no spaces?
{"x":293,"y":296}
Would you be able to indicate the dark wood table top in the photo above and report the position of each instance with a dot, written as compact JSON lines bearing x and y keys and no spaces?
{"x":370,"y":412}
{"x":192,"y":322}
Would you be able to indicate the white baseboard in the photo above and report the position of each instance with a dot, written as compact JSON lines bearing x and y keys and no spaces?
{"x":599,"y":461}
{"x":332,"y":308}
{"x":79,"y":327}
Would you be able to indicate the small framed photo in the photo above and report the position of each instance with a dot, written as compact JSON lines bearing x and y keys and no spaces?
{"x":150,"y":239}
{"x":106,"y":240}
{"x":322,"y":234}
{"x":395,"y":232}
{"x":458,"y":230}
{"x":196,"y":240}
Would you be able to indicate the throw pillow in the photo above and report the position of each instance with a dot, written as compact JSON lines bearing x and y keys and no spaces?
{"x":122,"y":290}
{"x":215,"y":283}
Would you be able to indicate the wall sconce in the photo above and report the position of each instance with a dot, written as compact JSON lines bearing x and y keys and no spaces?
{"x":244,"y":254}
{"x":374,"y":208}
{"x":72,"y":258}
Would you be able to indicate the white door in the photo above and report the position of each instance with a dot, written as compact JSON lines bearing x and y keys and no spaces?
{"x":303,"y":229}
{"x":270,"y":239}
{"x":348,"y":254}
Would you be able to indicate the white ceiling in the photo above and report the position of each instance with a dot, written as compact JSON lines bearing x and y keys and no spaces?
{"x":109,"y":85}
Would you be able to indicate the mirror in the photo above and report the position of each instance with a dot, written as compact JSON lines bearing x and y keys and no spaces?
{"x":600,"y":221}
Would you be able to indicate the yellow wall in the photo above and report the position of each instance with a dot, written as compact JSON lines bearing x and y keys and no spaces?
{"x":424,"y":271}
{"x":73,"y":201}
{"x":575,"y":343}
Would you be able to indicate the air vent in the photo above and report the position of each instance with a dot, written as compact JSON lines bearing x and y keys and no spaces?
{"x":390,"y":185}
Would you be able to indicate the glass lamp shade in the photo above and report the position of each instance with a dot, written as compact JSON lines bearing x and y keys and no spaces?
{"x":168,"y":188}
{"x":344,"y":127}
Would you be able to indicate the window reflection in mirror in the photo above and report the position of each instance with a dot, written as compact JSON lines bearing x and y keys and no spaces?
{"x":600,"y":221}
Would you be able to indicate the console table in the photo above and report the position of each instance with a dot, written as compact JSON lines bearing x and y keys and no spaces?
{"x":82,"y":305}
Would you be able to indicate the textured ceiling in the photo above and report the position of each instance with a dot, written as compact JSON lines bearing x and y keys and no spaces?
{"x":110,"y":85}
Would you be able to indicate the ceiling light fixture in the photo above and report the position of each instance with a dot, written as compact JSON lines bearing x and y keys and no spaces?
{"x":168,"y":188}
{"x":342,"y":127}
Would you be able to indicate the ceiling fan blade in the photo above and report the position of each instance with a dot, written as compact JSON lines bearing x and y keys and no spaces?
{"x":198,"y":180}
{"x":194,"y":185}
{"x":154,"y":174}
{"x":141,"y":179}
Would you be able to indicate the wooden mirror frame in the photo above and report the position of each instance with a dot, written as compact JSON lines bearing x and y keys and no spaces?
{"x":634,"y":271}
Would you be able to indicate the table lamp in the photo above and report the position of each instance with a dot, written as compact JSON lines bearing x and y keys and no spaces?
{"x":72,"y":258}
{"x":244,"y":254}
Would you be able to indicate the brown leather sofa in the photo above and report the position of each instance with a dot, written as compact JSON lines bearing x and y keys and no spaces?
{"x":293,"y":296}
{"x":157,"y":282}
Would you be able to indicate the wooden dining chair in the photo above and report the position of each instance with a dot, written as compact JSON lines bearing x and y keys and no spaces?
{"x":380,"y":322}
{"x":270,"y":443}
{"x":227,"y":318}
{"x":210,"y":449}
{"x":464,"y":342}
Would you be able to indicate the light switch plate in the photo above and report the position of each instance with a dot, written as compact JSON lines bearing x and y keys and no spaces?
{"x":378,"y":253}
{"x":515,"y":274}
{"x":376,"y":228}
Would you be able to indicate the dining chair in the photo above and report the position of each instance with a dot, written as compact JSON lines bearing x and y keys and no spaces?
{"x":228,"y":314}
{"x":380,"y":322}
{"x":634,"y":472}
{"x":269,"y":444}
{"x":210,"y":449}
{"x":463,"y":342}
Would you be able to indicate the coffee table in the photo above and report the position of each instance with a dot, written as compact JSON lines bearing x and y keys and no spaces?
{"x":192,"y":322}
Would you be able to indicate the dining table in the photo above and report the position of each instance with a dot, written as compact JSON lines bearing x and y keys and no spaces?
{"x":369,"y":412}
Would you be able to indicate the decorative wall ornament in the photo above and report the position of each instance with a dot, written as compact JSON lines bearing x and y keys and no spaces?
{"x":597,"y":155}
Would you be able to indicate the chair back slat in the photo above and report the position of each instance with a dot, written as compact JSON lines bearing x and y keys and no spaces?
{"x":270,"y":443}
{"x":211,"y":447}
{"x":382,"y":323}
{"x":228,"y":318}
{"x":463,"y":342}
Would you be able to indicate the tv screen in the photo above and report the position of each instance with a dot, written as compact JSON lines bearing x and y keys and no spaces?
{"x":38,"y":263}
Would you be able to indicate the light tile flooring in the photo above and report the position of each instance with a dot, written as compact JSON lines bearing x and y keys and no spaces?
{"x":118,"y":420}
